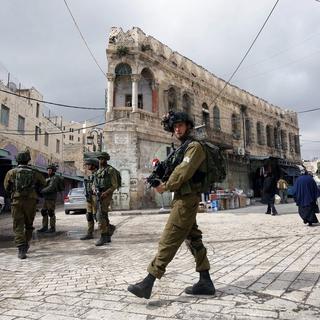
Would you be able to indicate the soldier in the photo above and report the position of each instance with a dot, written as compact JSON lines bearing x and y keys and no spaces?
{"x":181,"y":224}
{"x":50,"y":196}
{"x":105,"y":183}
{"x":92,"y":165}
{"x":22,"y":183}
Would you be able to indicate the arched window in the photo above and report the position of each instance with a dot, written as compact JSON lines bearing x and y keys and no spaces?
{"x":284,"y":141}
{"x":216,"y":118}
{"x":259,"y":133}
{"x":123,"y":69}
{"x":123,"y":86}
{"x":296,"y":144}
{"x":291,"y":142}
{"x":205,"y":115}
{"x":172,"y":99}
{"x":249,"y":133}
{"x":145,"y":90}
{"x":276,"y":137}
{"x":186,"y":103}
{"x":235,"y":126}
{"x":269,"y":135}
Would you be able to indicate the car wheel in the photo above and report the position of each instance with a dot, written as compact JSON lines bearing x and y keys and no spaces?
{"x":66,"y":211}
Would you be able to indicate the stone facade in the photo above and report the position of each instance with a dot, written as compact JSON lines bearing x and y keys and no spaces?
{"x":23,"y":124}
{"x":146,"y":79}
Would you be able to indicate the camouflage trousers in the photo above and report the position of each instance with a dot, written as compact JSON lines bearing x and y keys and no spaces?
{"x":48,"y":212}
{"x":23,"y":212}
{"x":181,"y":226}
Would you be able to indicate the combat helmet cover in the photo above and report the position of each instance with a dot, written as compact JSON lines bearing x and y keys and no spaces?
{"x":23,"y":157}
{"x":169,"y":120}
{"x":103,"y":155}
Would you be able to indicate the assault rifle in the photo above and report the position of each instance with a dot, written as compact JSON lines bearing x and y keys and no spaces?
{"x":163,"y":169}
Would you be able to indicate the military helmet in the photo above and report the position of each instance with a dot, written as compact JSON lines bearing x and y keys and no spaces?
{"x":103,"y":155}
{"x":172,"y":118}
{"x":92,"y":161}
{"x":23,"y":157}
{"x":52,"y":167}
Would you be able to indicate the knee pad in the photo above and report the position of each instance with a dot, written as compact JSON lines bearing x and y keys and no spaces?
{"x":89,"y":216}
{"x":51,"y":213}
{"x":44,"y":212}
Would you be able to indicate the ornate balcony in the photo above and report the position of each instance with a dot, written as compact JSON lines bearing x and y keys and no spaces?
{"x":217,"y":137}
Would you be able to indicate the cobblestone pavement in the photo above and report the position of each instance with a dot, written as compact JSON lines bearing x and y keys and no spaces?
{"x":264,"y":267}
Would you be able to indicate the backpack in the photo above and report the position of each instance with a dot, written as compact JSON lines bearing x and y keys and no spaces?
{"x":118,"y":175}
{"x":24,"y":180}
{"x":214,"y":168}
{"x":60,"y":184}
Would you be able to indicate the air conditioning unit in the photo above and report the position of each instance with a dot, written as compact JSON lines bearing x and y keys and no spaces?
{"x":241,"y":151}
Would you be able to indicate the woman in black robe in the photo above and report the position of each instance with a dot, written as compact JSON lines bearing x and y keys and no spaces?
{"x":305,"y":193}
{"x":268,"y":192}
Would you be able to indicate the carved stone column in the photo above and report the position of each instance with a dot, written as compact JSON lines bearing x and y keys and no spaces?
{"x":110,"y":91}
{"x":135,"y":79}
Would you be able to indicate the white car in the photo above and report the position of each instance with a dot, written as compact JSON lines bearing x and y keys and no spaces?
{"x":1,"y":204}
{"x":75,"y":201}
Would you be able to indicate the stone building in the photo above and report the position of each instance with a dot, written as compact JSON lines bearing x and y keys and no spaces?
{"x":146,"y":79}
{"x":24,"y":124}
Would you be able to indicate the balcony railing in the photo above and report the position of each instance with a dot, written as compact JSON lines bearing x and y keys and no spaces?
{"x":217,"y":137}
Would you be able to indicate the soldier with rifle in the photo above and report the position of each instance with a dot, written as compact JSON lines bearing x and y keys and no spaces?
{"x":104,"y":184}
{"x":23,"y":184}
{"x":179,"y":174}
{"x":92,"y":165}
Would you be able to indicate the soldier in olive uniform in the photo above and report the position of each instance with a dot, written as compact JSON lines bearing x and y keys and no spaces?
{"x":181,"y":225}
{"x":22,"y":183}
{"x":50,"y":197}
{"x":92,"y":165}
{"x":105,"y":183}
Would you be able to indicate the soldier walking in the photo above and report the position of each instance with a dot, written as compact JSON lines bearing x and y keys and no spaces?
{"x":50,"y":197}
{"x":181,"y":224}
{"x":105,"y":183}
{"x":92,"y":165}
{"x":22,"y":183}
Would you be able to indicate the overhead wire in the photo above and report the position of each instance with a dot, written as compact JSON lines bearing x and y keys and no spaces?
{"x":247,"y":52}
{"x":83,"y":38}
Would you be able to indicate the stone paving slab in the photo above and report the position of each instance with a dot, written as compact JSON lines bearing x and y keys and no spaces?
{"x":263,"y":267}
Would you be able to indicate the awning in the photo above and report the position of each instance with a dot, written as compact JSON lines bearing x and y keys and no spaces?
{"x":64,"y":175}
{"x":291,"y":171}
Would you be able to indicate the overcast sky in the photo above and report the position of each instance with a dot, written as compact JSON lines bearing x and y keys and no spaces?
{"x":41,"y":47}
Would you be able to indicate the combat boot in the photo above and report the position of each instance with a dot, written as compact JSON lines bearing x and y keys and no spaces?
{"x":51,"y":230}
{"x":104,"y":238}
{"x":87,"y":237}
{"x":143,"y":289}
{"x":22,"y":252}
{"x":43,"y":229}
{"x":203,"y":286}
{"x":27,"y":247}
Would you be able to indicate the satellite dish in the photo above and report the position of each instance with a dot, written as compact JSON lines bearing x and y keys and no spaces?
{"x":12,"y":86}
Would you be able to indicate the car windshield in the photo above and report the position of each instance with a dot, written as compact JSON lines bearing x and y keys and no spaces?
{"x":77,"y":192}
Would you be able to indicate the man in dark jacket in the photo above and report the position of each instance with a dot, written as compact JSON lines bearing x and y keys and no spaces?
{"x":305,"y":193}
{"x":268,"y":192}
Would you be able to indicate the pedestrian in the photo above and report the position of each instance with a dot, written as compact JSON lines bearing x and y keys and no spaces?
{"x":269,"y":191}
{"x":50,"y":197}
{"x":282,"y":186}
{"x":104,"y":184}
{"x":181,"y":224}
{"x":92,"y":165}
{"x":23,"y":183}
{"x":305,"y":193}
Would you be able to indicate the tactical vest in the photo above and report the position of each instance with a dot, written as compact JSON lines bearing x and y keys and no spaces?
{"x":88,"y":185}
{"x":102,"y":179}
{"x":24,"y":180}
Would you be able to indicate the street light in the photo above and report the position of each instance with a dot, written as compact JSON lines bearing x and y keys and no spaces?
{"x":90,"y":139}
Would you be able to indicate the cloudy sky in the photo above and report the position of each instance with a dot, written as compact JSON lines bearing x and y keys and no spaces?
{"x":41,"y":47}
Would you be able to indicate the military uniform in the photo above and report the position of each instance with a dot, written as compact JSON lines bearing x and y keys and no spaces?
{"x":50,"y":197}
{"x":105,"y":181}
{"x":91,"y":198}
{"x":23,"y":203}
{"x":181,"y":225}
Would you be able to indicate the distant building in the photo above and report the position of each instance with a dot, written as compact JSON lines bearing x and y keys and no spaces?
{"x":24,"y":124}
{"x":146,"y":79}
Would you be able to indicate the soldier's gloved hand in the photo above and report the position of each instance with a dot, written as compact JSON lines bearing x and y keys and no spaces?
{"x":95,"y":217}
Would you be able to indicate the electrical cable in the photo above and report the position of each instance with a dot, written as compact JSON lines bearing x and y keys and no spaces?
{"x":51,"y":103}
{"x":84,"y":40}
{"x":60,"y":132}
{"x":247,"y":52}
